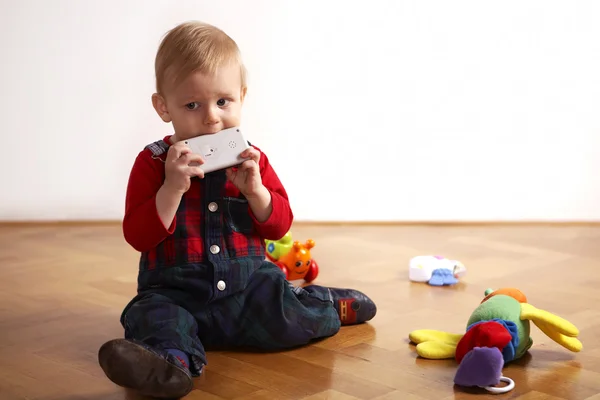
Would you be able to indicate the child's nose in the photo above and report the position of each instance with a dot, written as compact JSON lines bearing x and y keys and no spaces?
{"x":211,"y":116}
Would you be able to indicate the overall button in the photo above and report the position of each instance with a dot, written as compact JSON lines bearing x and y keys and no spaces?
{"x":213,"y":207}
{"x":221,"y":285}
{"x":214,"y":249}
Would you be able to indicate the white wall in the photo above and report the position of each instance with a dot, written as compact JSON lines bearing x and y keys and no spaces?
{"x":413,"y":110}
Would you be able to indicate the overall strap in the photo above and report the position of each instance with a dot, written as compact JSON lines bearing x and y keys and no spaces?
{"x":158,"y":148}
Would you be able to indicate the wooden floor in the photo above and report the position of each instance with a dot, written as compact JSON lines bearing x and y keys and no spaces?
{"x":63,"y":289}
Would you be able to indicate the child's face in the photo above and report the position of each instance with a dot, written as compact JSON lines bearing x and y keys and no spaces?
{"x":203,"y":104}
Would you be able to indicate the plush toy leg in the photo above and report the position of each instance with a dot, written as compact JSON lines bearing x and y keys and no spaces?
{"x":430,"y":335}
{"x":556,"y":328}
{"x":433,"y":344}
{"x":570,"y":343}
{"x":436,"y":350}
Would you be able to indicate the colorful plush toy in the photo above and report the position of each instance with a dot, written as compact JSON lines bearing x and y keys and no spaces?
{"x":498,"y":332}
{"x":435,"y":270}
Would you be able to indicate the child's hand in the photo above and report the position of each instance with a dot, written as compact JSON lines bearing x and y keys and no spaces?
{"x":178,"y":172}
{"x":246,"y":177}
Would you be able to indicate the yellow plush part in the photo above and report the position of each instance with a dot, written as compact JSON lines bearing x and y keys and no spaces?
{"x":556,"y":328}
{"x":434,"y":344}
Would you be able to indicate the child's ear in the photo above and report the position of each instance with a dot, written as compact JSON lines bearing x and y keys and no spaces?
{"x":243,"y":94}
{"x":161,"y":107}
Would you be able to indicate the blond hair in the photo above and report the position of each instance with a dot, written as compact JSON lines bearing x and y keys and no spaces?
{"x":194,"y":46}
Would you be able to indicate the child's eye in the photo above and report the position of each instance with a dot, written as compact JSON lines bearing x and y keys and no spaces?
{"x":222,"y":102}
{"x":192,"y":106}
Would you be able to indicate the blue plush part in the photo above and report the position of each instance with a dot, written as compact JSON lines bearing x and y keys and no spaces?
{"x":271,"y":247}
{"x":509,"y":351}
{"x":441,"y":277}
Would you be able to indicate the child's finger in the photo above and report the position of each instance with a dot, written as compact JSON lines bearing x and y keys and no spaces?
{"x":252,"y":154}
{"x":248,"y":165}
{"x":178,"y":149}
{"x":230,"y":173}
{"x":173,"y":155}
{"x":189,"y":158}
{"x":196,"y":171}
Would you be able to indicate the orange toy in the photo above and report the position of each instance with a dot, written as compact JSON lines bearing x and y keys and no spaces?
{"x":296,"y":263}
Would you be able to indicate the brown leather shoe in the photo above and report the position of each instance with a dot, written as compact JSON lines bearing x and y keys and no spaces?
{"x":152,"y":372}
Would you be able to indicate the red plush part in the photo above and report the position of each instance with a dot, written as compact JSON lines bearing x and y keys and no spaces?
{"x":485,"y":334}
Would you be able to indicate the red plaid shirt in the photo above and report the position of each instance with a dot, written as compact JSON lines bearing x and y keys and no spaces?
{"x":213,"y":223}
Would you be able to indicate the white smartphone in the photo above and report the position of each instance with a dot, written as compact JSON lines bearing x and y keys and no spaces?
{"x":219,"y":150}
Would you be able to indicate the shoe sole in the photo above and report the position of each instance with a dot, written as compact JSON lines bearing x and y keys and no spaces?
{"x":131,"y":366}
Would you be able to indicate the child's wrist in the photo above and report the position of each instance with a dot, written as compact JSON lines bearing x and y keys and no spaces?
{"x":171,"y":190}
{"x":262,"y":193}
{"x":261,"y":204}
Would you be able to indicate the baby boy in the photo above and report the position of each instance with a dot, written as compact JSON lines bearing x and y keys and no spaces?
{"x":203,"y":279}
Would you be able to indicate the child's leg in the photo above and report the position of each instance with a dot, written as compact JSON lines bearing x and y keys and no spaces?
{"x":161,"y":350}
{"x":273,"y":315}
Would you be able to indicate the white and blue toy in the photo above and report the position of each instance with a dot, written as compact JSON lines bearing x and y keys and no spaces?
{"x":435,"y":270}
